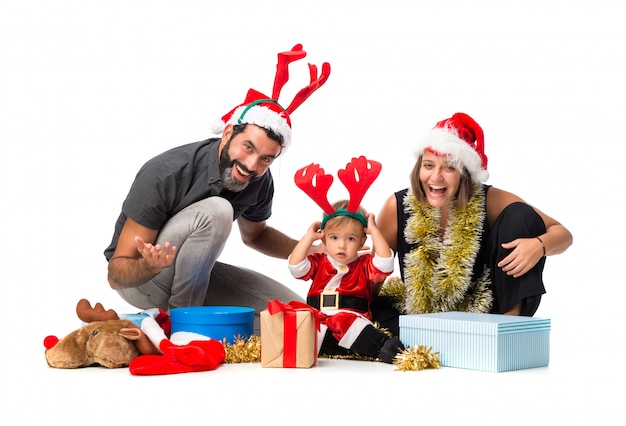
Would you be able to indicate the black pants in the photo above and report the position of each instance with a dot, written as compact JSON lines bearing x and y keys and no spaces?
{"x":517,"y":220}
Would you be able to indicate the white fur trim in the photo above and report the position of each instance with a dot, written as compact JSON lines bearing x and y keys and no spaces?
{"x":153,"y":330}
{"x":446,"y":141}
{"x":155,"y":333}
{"x":217,"y":128}
{"x":353,"y":332}
{"x":182,"y":338}
{"x":262,"y":116}
{"x":300,"y":269}
{"x":384,"y":264}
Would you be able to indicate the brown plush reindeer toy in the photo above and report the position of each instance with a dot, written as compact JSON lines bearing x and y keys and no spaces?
{"x":112,"y":342}
{"x":106,"y":340}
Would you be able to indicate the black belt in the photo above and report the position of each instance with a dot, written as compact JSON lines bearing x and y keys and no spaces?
{"x":338,"y":301}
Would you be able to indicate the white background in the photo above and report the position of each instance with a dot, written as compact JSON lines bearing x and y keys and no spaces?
{"x":90,"y":90}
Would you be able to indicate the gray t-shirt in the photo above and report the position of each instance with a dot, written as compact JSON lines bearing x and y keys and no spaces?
{"x":173,"y":180}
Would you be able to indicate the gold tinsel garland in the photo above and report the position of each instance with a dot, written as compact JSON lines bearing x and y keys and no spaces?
{"x":411,"y":359}
{"x":416,"y":358}
{"x":249,"y":350}
{"x":243,"y":350}
{"x":438,"y":272}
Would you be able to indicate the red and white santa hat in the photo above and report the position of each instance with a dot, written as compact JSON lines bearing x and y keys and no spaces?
{"x":265,"y":111}
{"x":461,"y":138}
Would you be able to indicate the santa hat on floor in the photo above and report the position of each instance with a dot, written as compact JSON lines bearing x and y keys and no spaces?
{"x":182,"y":352}
{"x":265,"y":111}
{"x":461,"y":138}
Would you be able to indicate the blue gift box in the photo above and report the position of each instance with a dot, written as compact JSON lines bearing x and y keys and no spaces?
{"x":486,"y":342}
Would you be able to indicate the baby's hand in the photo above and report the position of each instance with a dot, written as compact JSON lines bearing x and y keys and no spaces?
{"x":371,"y":223}
{"x":314,"y":233}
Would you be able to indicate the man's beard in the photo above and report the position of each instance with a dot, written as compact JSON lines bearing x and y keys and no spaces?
{"x":226,"y":167}
{"x":230,"y":183}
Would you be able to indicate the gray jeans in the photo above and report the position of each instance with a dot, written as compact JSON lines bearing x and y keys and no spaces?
{"x":196,"y":278}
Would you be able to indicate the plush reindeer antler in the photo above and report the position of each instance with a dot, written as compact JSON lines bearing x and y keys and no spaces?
{"x":315,"y":84}
{"x":282,"y":68}
{"x":265,"y":111}
{"x":357,"y":177}
{"x":315,"y":183}
{"x":282,"y":76}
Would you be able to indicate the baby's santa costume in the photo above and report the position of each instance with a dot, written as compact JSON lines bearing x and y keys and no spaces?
{"x":343,"y":292}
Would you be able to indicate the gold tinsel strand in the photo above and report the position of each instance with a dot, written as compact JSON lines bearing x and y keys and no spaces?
{"x":416,"y":358}
{"x":249,"y":350}
{"x":351,"y":357}
{"x":243,"y":350}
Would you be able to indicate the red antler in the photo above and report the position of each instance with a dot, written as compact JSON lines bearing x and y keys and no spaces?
{"x":282,"y":68}
{"x":315,"y":84}
{"x":357,"y":177}
{"x":318,"y":190}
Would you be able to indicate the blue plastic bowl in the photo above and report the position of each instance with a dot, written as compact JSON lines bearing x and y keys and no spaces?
{"x":216,"y":322}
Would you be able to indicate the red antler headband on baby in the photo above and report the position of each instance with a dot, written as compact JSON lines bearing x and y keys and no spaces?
{"x":357,"y":177}
{"x":265,"y":111}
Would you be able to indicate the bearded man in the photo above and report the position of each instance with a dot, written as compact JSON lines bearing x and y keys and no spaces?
{"x":180,"y":209}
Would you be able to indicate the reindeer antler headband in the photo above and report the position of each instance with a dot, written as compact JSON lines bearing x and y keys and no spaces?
{"x":357,"y":177}
{"x":265,"y":111}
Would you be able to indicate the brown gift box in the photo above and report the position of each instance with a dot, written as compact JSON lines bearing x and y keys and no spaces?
{"x":277,"y":341}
